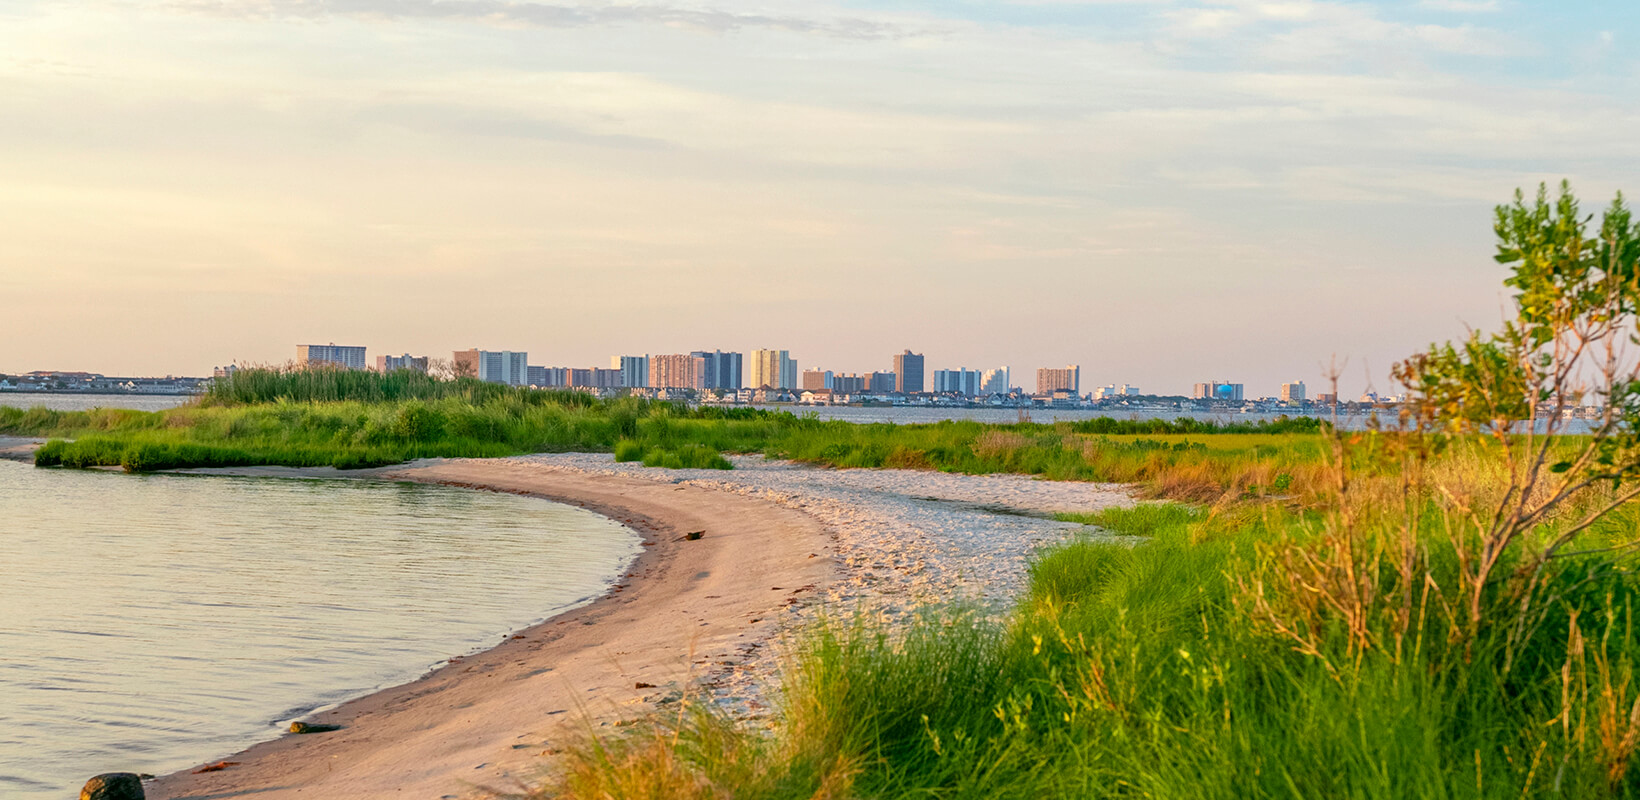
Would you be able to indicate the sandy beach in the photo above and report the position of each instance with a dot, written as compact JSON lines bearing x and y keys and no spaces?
{"x":704,"y":616}
{"x":485,"y":720}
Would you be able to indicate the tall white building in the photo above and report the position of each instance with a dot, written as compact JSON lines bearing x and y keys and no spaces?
{"x":634,"y":370}
{"x":959,"y":381}
{"x":1293,"y":393}
{"x":775,"y":369}
{"x":330,"y":355}
{"x":995,"y":381}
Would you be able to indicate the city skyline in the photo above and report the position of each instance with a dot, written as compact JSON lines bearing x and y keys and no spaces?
{"x":366,"y":357}
{"x":1156,"y":190}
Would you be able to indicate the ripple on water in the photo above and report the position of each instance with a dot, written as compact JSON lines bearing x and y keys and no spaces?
{"x":151,"y":623}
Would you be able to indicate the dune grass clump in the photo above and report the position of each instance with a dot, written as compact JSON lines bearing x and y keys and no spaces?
{"x":1145,"y":519}
{"x":628,"y":450}
{"x":689,"y":456}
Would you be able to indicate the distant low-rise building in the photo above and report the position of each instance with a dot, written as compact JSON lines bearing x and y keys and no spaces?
{"x":329,"y":355}
{"x":815,"y":380}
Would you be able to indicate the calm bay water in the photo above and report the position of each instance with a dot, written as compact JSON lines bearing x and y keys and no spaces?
{"x":906,"y":415}
{"x":151,"y":623}
{"x":81,"y":402}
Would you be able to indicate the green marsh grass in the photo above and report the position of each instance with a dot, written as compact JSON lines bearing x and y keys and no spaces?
{"x":358,"y":419}
{"x":1145,"y":519}
{"x":1137,"y":671}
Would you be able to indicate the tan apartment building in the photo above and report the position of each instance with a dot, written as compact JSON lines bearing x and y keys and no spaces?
{"x":676,"y":371}
{"x":1050,"y":380}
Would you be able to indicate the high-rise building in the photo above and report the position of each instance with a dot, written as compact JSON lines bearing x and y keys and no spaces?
{"x":879,"y":382}
{"x":330,"y":355}
{"x":634,"y":370}
{"x":406,"y":361}
{"x":908,"y":371}
{"x":494,"y":366}
{"x":775,"y":369}
{"x":1218,"y":390}
{"x":465,"y":363}
{"x":814,"y":379}
{"x":957,"y":381}
{"x":603,"y":379}
{"x":716,"y":370}
{"x":849,"y":384}
{"x":1293,"y":393}
{"x":547,"y":377}
{"x":672,"y":371}
{"x":1050,"y":380}
{"x":995,"y":381}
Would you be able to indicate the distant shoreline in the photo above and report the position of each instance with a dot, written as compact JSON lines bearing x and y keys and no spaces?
{"x":71,"y":393}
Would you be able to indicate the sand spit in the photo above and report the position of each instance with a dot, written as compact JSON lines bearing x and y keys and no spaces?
{"x":19,"y":448}
{"x":486,"y":719}
{"x":780,"y":543}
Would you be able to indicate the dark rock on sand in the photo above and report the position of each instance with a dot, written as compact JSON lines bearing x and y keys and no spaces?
{"x":312,"y":727}
{"x":114,"y":786}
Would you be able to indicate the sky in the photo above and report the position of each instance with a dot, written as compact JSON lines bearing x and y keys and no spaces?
{"x":1161,"y":191}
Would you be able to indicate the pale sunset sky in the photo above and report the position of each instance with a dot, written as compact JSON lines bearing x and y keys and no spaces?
{"x":1162,"y":191}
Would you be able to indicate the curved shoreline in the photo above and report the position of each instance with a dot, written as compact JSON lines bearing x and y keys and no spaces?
{"x":684,"y":608}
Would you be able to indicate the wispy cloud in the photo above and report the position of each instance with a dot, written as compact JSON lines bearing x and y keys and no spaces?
{"x":1316,"y":31}
{"x":1461,"y":6}
{"x":503,"y":13}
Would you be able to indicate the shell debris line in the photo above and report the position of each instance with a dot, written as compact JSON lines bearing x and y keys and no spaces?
{"x":901,"y":540}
